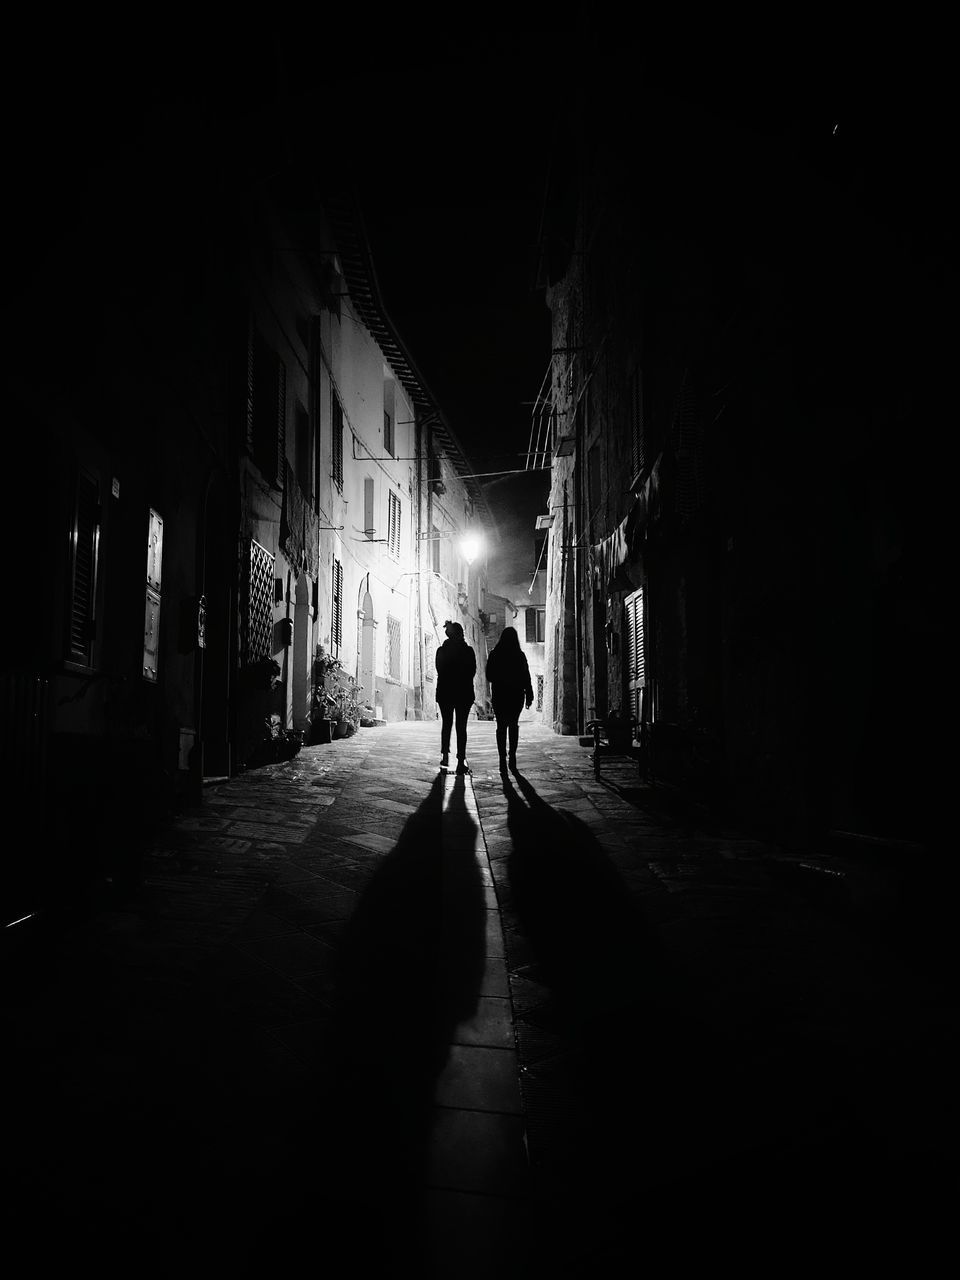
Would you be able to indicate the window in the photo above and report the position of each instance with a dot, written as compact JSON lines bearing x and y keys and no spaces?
{"x":151,"y":626}
{"x":82,"y":581}
{"x":369,"y":528}
{"x":435,"y":548}
{"x":535,"y":623}
{"x":540,"y":693}
{"x":336,"y":619}
{"x":388,"y":433}
{"x":636,"y":674}
{"x":393,"y":525}
{"x":429,"y":657}
{"x":393,"y":657}
{"x":257,"y":640}
{"x":336,"y":441}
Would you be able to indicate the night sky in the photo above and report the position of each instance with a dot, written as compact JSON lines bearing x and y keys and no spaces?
{"x":446,"y":133}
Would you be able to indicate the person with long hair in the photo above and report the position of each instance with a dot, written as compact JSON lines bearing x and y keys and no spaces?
{"x":509,"y":674}
{"x":456,"y":667}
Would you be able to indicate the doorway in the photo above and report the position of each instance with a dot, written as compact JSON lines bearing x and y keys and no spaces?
{"x":367,"y":647}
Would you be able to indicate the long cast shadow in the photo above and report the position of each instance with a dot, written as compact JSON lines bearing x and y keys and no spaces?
{"x":592,"y":944}
{"x":409,"y":971}
{"x":628,"y":1031}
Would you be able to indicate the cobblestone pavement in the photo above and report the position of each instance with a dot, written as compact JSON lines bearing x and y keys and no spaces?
{"x":365,"y":1012}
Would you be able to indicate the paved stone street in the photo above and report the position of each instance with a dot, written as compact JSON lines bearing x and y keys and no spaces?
{"x":364,"y":1012}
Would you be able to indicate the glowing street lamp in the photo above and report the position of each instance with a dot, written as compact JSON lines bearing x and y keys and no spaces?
{"x":470,"y":547}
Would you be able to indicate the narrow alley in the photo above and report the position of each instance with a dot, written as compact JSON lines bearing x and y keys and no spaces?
{"x":365,"y":1012}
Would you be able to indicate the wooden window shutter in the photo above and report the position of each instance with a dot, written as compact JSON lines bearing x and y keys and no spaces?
{"x":85,"y":539}
{"x":336,"y":622}
{"x":531,"y":625}
{"x":336,"y":441}
{"x":393,"y":531}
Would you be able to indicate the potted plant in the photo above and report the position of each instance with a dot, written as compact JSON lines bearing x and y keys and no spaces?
{"x":347,"y":698}
{"x":325,"y":699}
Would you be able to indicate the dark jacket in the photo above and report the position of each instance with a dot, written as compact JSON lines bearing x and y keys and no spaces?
{"x":509,"y":674}
{"x":456,"y":668}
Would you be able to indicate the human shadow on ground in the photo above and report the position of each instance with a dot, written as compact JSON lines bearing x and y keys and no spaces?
{"x":593,"y":946}
{"x":409,"y":971}
{"x":671,"y":1116}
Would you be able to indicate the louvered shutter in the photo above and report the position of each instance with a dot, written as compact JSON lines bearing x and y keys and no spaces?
{"x":336,"y":623}
{"x":393,"y":532}
{"x":336,"y":441}
{"x":531,"y":623}
{"x":636,"y":675}
{"x":83,"y":576}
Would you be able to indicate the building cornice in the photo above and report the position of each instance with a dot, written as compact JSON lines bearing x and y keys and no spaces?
{"x":347,"y":227}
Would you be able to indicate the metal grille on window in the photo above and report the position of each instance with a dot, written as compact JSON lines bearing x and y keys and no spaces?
{"x":429,"y":657}
{"x":336,"y":621}
{"x":258,"y":622}
{"x":393,"y":527}
{"x":393,"y":658}
{"x":539,"y":693}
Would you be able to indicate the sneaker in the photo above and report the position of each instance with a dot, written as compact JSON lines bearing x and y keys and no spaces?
{"x":462,"y":766}
{"x":444,"y":760}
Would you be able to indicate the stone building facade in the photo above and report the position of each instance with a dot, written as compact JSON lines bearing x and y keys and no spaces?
{"x":232,"y":463}
{"x":731,"y":390}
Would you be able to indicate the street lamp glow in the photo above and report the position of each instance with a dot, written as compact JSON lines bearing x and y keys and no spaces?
{"x":470,"y":547}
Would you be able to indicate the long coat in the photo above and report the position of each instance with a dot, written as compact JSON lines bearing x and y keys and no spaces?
{"x":509,"y":674}
{"x":456,"y":668}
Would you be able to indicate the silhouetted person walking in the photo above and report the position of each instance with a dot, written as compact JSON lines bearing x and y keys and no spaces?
{"x":509,"y":676}
{"x":456,"y":668}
